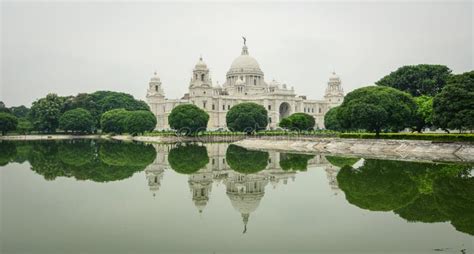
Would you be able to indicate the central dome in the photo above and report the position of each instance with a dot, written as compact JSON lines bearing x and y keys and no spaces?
{"x":245,"y":62}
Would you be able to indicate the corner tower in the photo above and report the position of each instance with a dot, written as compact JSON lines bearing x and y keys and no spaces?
{"x":334,"y":94}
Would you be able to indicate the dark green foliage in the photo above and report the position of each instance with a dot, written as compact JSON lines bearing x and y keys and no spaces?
{"x":77,"y":120}
{"x":453,"y":107}
{"x":87,"y":160}
{"x":285,"y":123}
{"x":424,"y":112}
{"x":20,"y":111}
{"x":140,"y":121}
{"x":246,"y":161}
{"x":126,"y":154}
{"x":45,"y":113}
{"x":299,"y":122}
{"x":4,"y":109}
{"x":331,"y":120}
{"x":378,"y":185}
{"x":340,"y":161}
{"x":376,"y":109}
{"x":292,"y":161}
{"x":8,"y":122}
{"x":188,"y":119}
{"x":188,"y":159}
{"x":7,"y":152}
{"x":417,"y":80}
{"x":114,"y":121}
{"x":412,"y":136}
{"x":247,"y":117}
{"x":24,"y":126}
{"x":455,"y":198}
{"x":423,"y":209}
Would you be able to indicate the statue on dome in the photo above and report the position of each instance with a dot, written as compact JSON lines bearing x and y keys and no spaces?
{"x":245,"y":40}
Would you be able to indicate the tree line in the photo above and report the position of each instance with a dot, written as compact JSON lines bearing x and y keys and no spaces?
{"x":83,"y":113}
{"x":415,"y":97}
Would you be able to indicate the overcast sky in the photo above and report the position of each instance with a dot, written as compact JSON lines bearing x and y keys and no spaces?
{"x":68,"y":48}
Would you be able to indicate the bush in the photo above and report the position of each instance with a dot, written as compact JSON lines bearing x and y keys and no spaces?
{"x":298,"y":122}
{"x":188,"y":119}
{"x":114,"y":121}
{"x":247,"y":117}
{"x":140,"y":121}
{"x":8,"y":122}
{"x":331,"y":120}
{"x":77,"y":120}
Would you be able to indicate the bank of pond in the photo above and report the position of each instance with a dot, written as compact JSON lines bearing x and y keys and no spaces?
{"x":427,"y":192}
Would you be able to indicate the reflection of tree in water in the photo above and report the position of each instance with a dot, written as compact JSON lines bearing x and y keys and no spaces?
{"x":417,"y":192}
{"x":293,"y":161}
{"x":340,"y":161}
{"x":7,"y":152}
{"x":246,"y":161}
{"x":87,"y":160}
{"x":188,"y":158}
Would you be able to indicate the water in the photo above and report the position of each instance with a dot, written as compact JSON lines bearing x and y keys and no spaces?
{"x":109,"y":197}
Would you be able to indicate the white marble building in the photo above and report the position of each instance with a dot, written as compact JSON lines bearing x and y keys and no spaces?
{"x":244,"y":83}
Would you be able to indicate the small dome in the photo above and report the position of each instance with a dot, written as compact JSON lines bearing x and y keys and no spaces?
{"x":201,"y":64}
{"x":155,"y":77}
{"x":274,"y":83}
{"x":334,"y":76}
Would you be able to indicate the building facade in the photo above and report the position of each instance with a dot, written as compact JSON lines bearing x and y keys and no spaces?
{"x":245,"y":82}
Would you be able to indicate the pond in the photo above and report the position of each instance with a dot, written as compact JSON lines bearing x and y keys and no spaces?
{"x":109,"y":197}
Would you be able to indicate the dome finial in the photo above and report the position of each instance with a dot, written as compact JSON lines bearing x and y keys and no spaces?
{"x":244,"y":48}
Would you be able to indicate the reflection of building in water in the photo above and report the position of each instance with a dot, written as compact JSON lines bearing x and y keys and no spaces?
{"x":245,"y":191}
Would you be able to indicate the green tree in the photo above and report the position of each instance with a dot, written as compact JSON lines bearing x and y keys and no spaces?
{"x":378,"y":185}
{"x":188,"y":119}
{"x":293,"y":161}
{"x":4,"y":109}
{"x":8,"y":152}
{"x":24,"y":126}
{"x":45,"y":113}
{"x":423,"y":209}
{"x":114,"y":121}
{"x":331,"y":120}
{"x":247,"y":117}
{"x":246,"y":161}
{"x":77,"y":120}
{"x":8,"y":122}
{"x":285,"y":123}
{"x":126,"y":154}
{"x":417,"y":80}
{"x":188,"y":159}
{"x":424,"y":112}
{"x":140,"y":121}
{"x":299,"y":122}
{"x":453,"y":107}
{"x":20,"y":111}
{"x":376,"y":108}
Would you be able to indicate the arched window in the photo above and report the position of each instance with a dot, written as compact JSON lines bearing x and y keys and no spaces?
{"x":195,"y":76}
{"x":255,"y":82}
{"x":202,"y":77}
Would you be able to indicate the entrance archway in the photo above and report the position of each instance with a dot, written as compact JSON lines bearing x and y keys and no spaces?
{"x":284,"y":110}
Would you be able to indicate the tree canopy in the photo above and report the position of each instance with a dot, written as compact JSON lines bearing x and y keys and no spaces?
{"x":45,"y":112}
{"x":247,"y":117}
{"x":417,"y":80}
{"x":294,"y":161}
{"x":114,"y":121}
{"x":376,"y":108}
{"x":246,"y":161}
{"x":8,"y":122}
{"x":188,"y":119}
{"x":298,"y":121}
{"x":332,"y":120}
{"x":140,"y":121}
{"x":188,"y":159}
{"x":453,"y":107}
{"x":77,"y":120}
{"x":424,"y":112}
